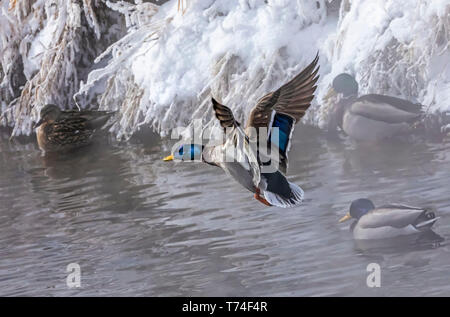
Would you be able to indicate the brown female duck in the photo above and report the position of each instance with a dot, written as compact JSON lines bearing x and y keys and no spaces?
{"x":66,"y":130}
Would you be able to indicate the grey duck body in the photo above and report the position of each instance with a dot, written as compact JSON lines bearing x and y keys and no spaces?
{"x":372,"y":117}
{"x":387,"y":221}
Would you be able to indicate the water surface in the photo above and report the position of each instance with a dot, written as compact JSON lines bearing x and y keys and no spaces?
{"x":139,"y":226}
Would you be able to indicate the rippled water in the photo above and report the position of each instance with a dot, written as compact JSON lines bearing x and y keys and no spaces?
{"x":140,"y":226}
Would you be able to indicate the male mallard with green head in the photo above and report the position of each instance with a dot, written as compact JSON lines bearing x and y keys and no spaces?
{"x":66,"y":130}
{"x":277,"y":111}
{"x":370,"y":117}
{"x":387,"y":221}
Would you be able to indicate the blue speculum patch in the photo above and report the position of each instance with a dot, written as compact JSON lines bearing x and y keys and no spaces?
{"x":284,"y":124}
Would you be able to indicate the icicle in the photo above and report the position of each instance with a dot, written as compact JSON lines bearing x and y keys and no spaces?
{"x":48,"y":47}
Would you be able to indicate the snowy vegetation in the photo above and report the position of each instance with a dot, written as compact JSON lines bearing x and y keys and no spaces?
{"x":48,"y":47}
{"x":158,"y":67}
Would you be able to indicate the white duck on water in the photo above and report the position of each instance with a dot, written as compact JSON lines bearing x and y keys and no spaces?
{"x":387,"y":221}
{"x":371,"y":117}
{"x":281,"y":109}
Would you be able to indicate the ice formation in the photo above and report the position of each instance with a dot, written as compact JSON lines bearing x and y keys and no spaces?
{"x":162,"y":72}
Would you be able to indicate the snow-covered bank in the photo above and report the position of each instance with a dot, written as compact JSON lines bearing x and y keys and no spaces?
{"x":163,"y":71}
{"x":398,"y":48}
{"x":47,"y":47}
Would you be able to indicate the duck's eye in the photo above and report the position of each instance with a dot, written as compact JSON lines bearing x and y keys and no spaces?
{"x":180,"y":151}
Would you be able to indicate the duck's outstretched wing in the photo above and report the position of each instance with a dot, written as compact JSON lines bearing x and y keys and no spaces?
{"x":237,"y":138}
{"x":292,"y":99}
{"x":284,"y":107}
{"x":224,"y":115}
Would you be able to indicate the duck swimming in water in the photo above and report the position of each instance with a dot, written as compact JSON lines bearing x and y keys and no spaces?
{"x":66,"y":130}
{"x":280,"y":109}
{"x":370,"y":117}
{"x":387,"y":221}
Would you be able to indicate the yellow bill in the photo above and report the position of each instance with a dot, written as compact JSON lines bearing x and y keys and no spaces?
{"x":168,"y":158}
{"x":345,"y":218}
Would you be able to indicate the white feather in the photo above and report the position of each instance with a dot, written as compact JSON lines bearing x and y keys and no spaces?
{"x":276,"y":200}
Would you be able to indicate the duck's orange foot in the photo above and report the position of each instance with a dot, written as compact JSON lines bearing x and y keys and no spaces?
{"x":261,"y":199}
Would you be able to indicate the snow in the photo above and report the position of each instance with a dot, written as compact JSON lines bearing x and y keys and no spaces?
{"x":48,"y":47}
{"x":163,"y":71}
{"x":234,"y":50}
{"x":39,"y":45}
{"x":391,"y":47}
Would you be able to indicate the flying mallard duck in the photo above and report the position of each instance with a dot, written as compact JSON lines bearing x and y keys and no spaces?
{"x":370,"y":117}
{"x":66,"y":130}
{"x":280,"y":109}
{"x":387,"y":221}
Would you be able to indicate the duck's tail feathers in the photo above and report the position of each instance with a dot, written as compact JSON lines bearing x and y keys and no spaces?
{"x":295,"y":198}
{"x":101,"y":120}
{"x":426,"y":220}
